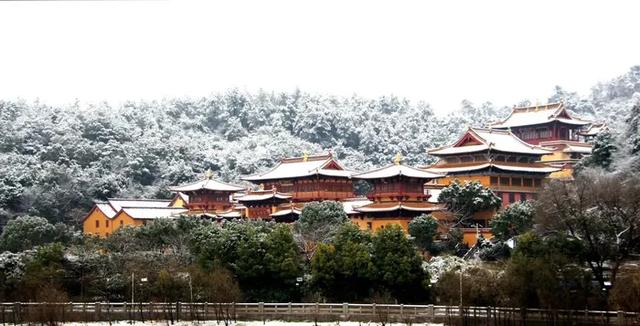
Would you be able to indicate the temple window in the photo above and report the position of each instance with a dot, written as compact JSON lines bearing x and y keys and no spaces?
{"x":512,"y":197}
{"x":511,"y":159}
{"x":504,"y":181}
{"x":494,"y":181}
{"x":527,"y":182}
{"x":516,"y":182}
{"x":107,"y":223}
{"x":97,"y":224}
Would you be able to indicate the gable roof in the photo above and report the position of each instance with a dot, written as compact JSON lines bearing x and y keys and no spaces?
{"x":481,"y":139}
{"x":106,"y":209}
{"x":118,"y":203}
{"x":146,"y":213}
{"x":208,"y":184}
{"x":298,"y":167}
{"x":396,"y":170}
{"x":535,"y":115}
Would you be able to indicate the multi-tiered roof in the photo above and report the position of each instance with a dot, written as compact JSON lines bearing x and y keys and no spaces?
{"x":538,"y":115}
{"x":304,"y":166}
{"x":308,"y":178}
{"x":481,"y":149}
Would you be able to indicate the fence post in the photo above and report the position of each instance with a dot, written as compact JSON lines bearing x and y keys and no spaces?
{"x":97,"y":311}
{"x":178,"y":310}
{"x":402,"y":311}
{"x":620,"y":318}
{"x":261,"y":309}
{"x":16,"y":313}
{"x":431,"y":312}
{"x":345,"y":309}
{"x":373,"y":308}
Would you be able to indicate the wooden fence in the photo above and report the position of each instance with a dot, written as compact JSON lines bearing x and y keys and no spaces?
{"x":11,"y":313}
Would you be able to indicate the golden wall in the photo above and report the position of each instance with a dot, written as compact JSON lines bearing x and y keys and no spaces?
{"x":105,"y":225}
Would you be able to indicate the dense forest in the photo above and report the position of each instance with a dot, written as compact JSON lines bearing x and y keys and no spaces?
{"x":574,"y":243}
{"x":56,"y":160}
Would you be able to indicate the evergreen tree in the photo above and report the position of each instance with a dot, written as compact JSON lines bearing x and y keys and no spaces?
{"x":423,"y":229}
{"x":464,"y":200}
{"x":513,"y":220}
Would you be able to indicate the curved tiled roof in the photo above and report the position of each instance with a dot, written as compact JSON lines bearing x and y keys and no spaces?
{"x":396,"y":170}
{"x":490,"y":139}
{"x":298,"y":167}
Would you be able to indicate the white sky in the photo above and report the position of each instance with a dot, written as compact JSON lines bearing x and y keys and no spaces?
{"x":437,"y":51}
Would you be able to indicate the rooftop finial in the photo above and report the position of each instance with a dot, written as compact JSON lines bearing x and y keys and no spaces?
{"x":208,"y":174}
{"x":398,"y":158}
{"x":537,"y":104}
{"x":261,"y":186}
{"x":305,"y":156}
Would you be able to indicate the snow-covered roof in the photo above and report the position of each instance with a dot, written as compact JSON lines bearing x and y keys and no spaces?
{"x":118,"y":203}
{"x":451,"y":169}
{"x":106,"y":209}
{"x":594,"y":129}
{"x":183,"y":196}
{"x":577,"y":149}
{"x":390,"y":207}
{"x":480,"y":139}
{"x":396,"y":170}
{"x":263,"y":195}
{"x":534,"y":169}
{"x":535,"y":115}
{"x":144,"y":213}
{"x":230,"y":214}
{"x":505,"y":167}
{"x":351,"y":203}
{"x":287,"y":211}
{"x":208,"y":184}
{"x":298,"y":167}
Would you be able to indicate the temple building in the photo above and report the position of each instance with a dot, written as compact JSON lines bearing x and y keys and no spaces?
{"x":397,"y":196}
{"x":551,"y":126}
{"x":308,"y":178}
{"x":262,"y":204}
{"x":107,"y":216}
{"x":495,"y":158}
{"x":208,"y":196}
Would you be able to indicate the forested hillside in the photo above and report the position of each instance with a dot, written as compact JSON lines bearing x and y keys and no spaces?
{"x":54,"y":161}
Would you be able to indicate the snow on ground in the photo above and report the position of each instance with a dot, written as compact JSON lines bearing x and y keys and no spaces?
{"x":244,"y":323}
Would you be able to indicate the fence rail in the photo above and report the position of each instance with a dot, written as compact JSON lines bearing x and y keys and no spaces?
{"x":21,"y":312}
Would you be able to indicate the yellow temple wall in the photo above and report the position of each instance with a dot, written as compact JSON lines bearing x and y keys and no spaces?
{"x":178,"y":202}
{"x":379,"y":223}
{"x":556,"y":156}
{"x":89,"y":224}
{"x":126,"y":221}
{"x":470,"y":235}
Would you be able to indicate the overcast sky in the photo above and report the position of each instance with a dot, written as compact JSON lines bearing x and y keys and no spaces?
{"x":437,"y":51}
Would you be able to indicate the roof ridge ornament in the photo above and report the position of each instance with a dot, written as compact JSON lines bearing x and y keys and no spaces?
{"x":305,"y":156}
{"x":398,"y":158}
{"x":208,"y":174}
